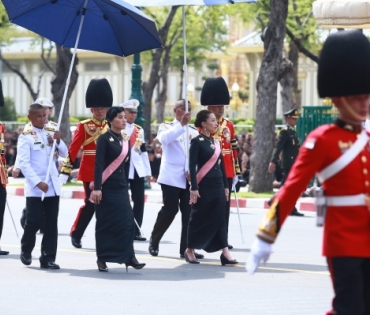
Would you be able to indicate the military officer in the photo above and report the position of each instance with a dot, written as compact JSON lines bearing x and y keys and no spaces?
{"x":50,"y":126}
{"x":34,"y":148}
{"x":288,"y":145}
{"x":139,"y":163}
{"x":340,"y":154}
{"x":215,"y":95}
{"x":173,"y":177}
{"x":99,"y":98}
{"x":3,"y":173}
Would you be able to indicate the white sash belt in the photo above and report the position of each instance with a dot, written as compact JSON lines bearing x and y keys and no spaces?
{"x":344,"y":201}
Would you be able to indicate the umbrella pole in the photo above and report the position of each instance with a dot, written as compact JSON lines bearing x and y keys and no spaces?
{"x":65,"y":93}
{"x":185,"y":67}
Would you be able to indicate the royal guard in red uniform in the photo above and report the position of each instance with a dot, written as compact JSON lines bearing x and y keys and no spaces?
{"x":215,"y":95}
{"x":99,"y":98}
{"x":339,"y":153}
{"x":3,"y":172}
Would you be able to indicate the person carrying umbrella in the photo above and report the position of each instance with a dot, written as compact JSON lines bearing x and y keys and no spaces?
{"x":99,"y":98}
{"x":340,"y":155}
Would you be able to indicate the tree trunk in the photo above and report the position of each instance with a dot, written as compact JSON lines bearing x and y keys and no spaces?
{"x":294,"y":58}
{"x":150,"y":84}
{"x":269,"y":76}
{"x":286,"y":93}
{"x":64,"y":59}
{"x":162,"y":96}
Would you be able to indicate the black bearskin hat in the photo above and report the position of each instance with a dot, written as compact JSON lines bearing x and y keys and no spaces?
{"x":99,"y":94}
{"x":215,"y":92}
{"x":1,"y":95}
{"x":344,"y":65}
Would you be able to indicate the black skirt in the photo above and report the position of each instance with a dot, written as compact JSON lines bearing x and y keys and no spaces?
{"x":207,"y":228}
{"x":114,"y":231}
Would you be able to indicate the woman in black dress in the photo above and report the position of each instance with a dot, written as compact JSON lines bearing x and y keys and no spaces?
{"x":114,"y":231}
{"x":208,"y":194}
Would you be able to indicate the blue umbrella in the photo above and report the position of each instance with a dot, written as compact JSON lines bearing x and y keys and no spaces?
{"x":109,"y":26}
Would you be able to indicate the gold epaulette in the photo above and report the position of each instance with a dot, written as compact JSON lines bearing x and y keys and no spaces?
{"x":53,"y":123}
{"x":49,"y":129}
{"x":85,"y":121}
{"x":27,"y":132}
{"x":138,"y":126}
{"x":227,"y":119}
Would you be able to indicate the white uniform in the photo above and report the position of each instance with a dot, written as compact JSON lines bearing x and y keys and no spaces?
{"x":33,"y":154}
{"x":174,"y":163}
{"x":139,"y":161}
{"x":50,"y":126}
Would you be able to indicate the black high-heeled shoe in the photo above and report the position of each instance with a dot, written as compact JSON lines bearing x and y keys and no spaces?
{"x":225,"y":261}
{"x":187,"y":259}
{"x":134,"y":264}
{"x":102,"y":266}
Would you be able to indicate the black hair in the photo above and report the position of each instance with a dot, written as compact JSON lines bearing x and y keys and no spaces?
{"x":34,"y":107}
{"x":112,"y":113}
{"x":202,"y":116}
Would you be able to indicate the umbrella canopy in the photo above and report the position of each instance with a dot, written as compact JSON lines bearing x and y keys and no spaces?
{"x":342,"y":13}
{"x":152,"y":3}
{"x":110,"y":26}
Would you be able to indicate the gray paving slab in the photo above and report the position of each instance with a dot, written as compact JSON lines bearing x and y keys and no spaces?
{"x":294,"y":281}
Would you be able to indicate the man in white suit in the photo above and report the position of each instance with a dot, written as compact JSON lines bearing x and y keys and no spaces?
{"x":173,"y":174}
{"x":139,"y":164}
{"x":34,"y":149}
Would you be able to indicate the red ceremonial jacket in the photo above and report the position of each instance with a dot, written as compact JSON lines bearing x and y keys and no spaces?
{"x":3,"y":172}
{"x":85,"y":136}
{"x":226,"y":135}
{"x":347,"y":228}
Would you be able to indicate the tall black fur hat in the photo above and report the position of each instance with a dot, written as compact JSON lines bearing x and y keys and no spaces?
{"x":99,"y":94}
{"x":215,"y":92}
{"x":344,"y":65}
{"x":1,"y":95}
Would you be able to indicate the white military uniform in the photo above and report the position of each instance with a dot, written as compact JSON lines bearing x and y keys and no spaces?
{"x":50,"y":126}
{"x":139,"y":161}
{"x":174,"y":163}
{"x":33,"y":153}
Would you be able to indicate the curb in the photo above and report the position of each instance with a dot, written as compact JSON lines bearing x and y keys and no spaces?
{"x":303,"y":204}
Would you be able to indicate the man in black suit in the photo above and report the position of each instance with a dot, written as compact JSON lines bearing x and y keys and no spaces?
{"x":288,"y":145}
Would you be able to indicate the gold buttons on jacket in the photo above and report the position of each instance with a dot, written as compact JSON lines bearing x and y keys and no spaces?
{"x":367,"y":183}
{"x":364,"y":159}
{"x":365,"y":171}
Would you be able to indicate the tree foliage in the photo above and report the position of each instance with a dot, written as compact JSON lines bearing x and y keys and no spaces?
{"x":206,"y":31}
{"x":8,"y":112}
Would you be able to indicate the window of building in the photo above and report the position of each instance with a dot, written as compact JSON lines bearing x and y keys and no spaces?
{"x":97,"y":66}
{"x":14,"y":65}
{"x":42,"y":66}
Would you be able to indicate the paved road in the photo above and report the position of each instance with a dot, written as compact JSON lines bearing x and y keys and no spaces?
{"x":294,"y":281}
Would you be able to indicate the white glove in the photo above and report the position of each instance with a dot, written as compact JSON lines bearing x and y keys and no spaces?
{"x":63,"y":178}
{"x":235,"y":181}
{"x":260,"y":251}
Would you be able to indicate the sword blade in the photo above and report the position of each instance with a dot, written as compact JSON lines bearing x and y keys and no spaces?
{"x":15,"y":228}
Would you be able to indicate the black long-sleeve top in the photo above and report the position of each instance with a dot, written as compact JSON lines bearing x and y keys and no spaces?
{"x":200,"y":152}
{"x":108,"y":149}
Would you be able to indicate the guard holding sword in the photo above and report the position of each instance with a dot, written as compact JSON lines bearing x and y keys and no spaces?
{"x":340,"y":155}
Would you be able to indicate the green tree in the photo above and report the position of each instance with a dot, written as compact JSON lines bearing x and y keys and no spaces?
{"x":8,"y":112}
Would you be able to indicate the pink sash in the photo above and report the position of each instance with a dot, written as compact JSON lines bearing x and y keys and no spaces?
{"x":210,"y":163}
{"x":113,"y":166}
